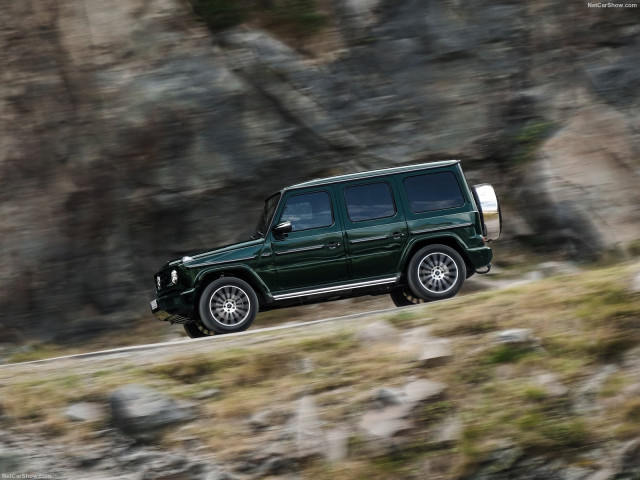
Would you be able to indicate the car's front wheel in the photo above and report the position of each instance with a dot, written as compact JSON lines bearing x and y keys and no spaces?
{"x":228,"y":305}
{"x":197,"y":330}
{"x":404,"y":298}
{"x":436,"y":272}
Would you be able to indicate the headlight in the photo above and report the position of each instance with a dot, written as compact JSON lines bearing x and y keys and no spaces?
{"x":174,"y":277}
{"x":158,"y":283}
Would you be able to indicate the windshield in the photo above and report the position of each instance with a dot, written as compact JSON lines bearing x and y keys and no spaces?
{"x":269,"y":209}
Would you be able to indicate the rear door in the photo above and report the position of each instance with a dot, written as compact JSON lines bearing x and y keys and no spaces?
{"x":375,"y":228}
{"x":313,"y":254}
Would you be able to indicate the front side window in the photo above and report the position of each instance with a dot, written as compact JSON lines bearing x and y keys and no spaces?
{"x":370,"y":201}
{"x":435,"y":191}
{"x":308,"y":210}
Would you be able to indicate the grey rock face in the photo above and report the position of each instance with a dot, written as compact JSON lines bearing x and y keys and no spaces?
{"x":116,"y":119}
{"x":143,"y":413}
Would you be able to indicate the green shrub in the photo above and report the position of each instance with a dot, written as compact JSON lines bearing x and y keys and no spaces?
{"x":298,"y":18}
{"x":528,"y":139}
{"x":219,"y":14}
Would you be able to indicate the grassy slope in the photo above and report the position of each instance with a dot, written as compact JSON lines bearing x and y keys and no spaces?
{"x":583,"y":321}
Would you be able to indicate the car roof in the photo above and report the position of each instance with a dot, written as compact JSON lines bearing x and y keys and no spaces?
{"x":372,"y":173}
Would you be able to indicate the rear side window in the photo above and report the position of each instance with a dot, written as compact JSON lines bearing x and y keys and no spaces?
{"x":434,"y":191}
{"x":308,"y":210}
{"x":370,"y":201}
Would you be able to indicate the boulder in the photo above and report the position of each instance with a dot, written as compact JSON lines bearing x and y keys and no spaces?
{"x":144,"y":413}
{"x":392,"y":417}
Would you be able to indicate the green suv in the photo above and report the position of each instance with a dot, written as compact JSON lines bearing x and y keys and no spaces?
{"x":415,"y":232}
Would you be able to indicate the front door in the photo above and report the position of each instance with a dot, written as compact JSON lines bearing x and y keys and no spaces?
{"x":375,"y":228}
{"x":313,"y":254}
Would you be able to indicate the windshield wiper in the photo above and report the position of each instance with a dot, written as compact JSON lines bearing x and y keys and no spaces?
{"x":257,"y":235}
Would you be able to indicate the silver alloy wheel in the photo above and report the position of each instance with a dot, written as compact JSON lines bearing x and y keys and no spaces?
{"x":229,"y":305}
{"x":438,"y":272}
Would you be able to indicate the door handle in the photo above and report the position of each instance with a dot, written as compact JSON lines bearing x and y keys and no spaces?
{"x":396,"y":235}
{"x":332,"y":245}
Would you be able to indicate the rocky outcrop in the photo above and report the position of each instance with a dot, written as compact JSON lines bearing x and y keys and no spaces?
{"x":143,"y":413}
{"x":131,"y":135}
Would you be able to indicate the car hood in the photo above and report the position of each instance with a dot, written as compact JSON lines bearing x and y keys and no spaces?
{"x":228,"y":253}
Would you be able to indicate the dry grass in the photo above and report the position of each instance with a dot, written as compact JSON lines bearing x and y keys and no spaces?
{"x":583,"y":322}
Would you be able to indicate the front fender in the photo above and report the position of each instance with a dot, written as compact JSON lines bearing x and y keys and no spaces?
{"x":206,"y":275}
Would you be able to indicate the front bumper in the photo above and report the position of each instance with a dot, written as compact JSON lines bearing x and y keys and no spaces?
{"x":173,"y":308}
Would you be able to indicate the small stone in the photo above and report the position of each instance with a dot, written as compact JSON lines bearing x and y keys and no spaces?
{"x":207,"y":394}
{"x":630,"y":455}
{"x":635,"y":284}
{"x":309,"y":433}
{"x":385,"y":423}
{"x":378,"y":332}
{"x":413,"y":340}
{"x":448,"y":434}
{"x":576,"y":473}
{"x":602,"y":474}
{"x":84,"y":412}
{"x":436,"y":352}
{"x":552,"y":387}
{"x":516,"y":336}
{"x":386,"y":396}
{"x":557,"y":268}
{"x":306,"y":365}
{"x":420,"y":391}
{"x":337,"y":444}
{"x":261,"y":420}
{"x":276,"y":465}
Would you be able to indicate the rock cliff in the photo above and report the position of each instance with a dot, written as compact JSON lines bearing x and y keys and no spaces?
{"x":131,"y":134}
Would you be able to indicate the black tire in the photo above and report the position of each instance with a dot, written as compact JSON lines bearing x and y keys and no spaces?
{"x":228,"y":305}
{"x":436,"y":272}
{"x":197,"y":330}
{"x":404,"y":298}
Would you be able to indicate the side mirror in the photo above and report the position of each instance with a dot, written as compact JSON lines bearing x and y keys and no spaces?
{"x":281,"y":229}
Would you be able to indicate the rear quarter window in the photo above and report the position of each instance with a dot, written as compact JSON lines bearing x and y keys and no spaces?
{"x":433,"y":191}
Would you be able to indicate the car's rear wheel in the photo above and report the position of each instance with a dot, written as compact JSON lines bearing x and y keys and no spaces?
{"x":197,"y":330}
{"x":404,"y":298}
{"x":436,"y":272}
{"x":228,"y":305}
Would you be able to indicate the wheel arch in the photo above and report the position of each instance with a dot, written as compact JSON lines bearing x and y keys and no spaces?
{"x":205,"y":277}
{"x":449,"y":240}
